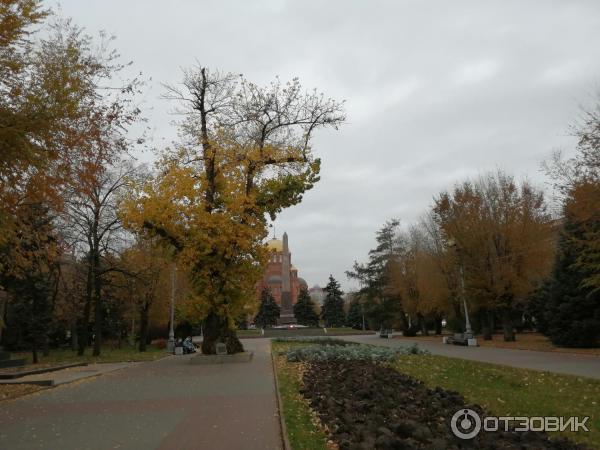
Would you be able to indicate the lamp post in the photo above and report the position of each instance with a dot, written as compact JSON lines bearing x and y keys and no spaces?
{"x":468,"y":330}
{"x":171,"y":341}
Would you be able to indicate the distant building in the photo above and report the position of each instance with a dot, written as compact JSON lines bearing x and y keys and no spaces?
{"x":317,"y":294}
{"x":281,"y":277}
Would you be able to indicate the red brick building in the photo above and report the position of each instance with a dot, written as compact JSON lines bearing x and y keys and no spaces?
{"x":281,"y":277}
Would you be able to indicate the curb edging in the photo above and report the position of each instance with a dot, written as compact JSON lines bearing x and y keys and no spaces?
{"x":282,"y":426}
{"x":24,"y":373}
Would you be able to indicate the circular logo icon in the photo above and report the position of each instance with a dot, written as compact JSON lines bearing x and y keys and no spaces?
{"x":465,"y":424}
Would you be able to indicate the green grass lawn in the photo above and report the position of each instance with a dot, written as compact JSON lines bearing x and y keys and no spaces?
{"x":277,"y":332}
{"x":107,"y":355}
{"x":346,"y":330}
{"x":248,"y":333}
{"x":509,"y":391}
{"x":302,"y":429}
{"x":501,"y":390}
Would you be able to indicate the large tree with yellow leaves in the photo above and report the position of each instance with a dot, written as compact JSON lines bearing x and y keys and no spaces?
{"x":245,"y":154}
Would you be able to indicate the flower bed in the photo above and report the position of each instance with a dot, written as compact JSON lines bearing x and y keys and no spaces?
{"x":349,"y":353}
{"x":372,"y":406}
{"x":314,"y":340}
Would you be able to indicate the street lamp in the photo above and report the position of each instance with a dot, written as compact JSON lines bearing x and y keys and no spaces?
{"x":171,"y":341}
{"x":468,"y":330}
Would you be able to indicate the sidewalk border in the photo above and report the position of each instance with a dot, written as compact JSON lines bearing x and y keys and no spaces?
{"x":282,"y":426}
{"x":24,"y":373}
{"x":49,"y":384}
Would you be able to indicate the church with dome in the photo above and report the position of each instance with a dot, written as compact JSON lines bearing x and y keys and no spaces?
{"x":281,"y":278}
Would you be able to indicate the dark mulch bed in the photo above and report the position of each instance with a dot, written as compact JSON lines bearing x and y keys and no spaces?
{"x":367,"y":406}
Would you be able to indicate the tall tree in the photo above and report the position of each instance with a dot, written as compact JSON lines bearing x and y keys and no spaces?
{"x":355,"y":317}
{"x":503,"y":240}
{"x":246,"y":154}
{"x":383,"y":305}
{"x":304,"y":310}
{"x":571,"y":313}
{"x":92,"y":215}
{"x":33,"y":279}
{"x":332,"y":312}
{"x":69,"y":299}
{"x":63,"y":109}
{"x":59,"y":101}
{"x":268,"y":311}
{"x":146,"y":274}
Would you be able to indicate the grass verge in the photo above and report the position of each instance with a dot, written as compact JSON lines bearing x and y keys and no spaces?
{"x":346,"y":330}
{"x":508,"y":391}
{"x":248,"y":333}
{"x":304,"y":432}
{"x":10,"y":391}
{"x":281,"y":332}
{"x":525,"y":341}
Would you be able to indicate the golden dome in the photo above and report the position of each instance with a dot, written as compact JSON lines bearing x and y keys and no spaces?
{"x":275,"y":245}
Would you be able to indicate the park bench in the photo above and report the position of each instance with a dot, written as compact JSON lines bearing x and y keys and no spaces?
{"x":458,"y":339}
{"x":386,"y":333}
{"x":461,"y":339}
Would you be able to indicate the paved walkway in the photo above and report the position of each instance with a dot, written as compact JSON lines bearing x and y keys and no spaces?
{"x":166,"y":404}
{"x":58,"y":377}
{"x":566,"y":363}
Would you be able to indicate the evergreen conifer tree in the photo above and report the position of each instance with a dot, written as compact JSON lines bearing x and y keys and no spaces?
{"x":332,"y":312}
{"x":572,"y":314}
{"x":304,"y":310}
{"x":269,"y":310}
{"x":355,"y":315}
{"x":382,"y":307}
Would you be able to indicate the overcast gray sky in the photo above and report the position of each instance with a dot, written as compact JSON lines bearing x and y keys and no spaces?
{"x":436,"y":91}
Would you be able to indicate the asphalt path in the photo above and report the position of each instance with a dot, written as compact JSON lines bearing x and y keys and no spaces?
{"x":564,"y":363}
{"x":165,"y":404}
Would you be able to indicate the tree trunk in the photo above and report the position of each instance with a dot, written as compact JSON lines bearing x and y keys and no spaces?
{"x":84,"y":324}
{"x":507,"y":326}
{"x":3,"y":308}
{"x":438,"y":325}
{"x":46,"y":345}
{"x":216,"y":330}
{"x":74,"y":336}
{"x":459,"y":323}
{"x":403,"y":320}
{"x":34,"y":352}
{"x":486,"y":325}
{"x":97,"y":318}
{"x":143,"y":327}
{"x":423,"y":324}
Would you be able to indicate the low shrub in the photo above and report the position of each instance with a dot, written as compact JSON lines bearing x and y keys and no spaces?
{"x":411,"y":331}
{"x":160,"y":343}
{"x":371,"y":353}
{"x":314,"y":340}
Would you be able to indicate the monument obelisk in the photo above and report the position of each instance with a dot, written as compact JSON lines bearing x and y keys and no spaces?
{"x":286,"y":315}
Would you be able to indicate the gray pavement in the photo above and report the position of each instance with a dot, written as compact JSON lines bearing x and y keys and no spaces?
{"x":565,"y":363}
{"x":70,"y":374}
{"x":166,"y":404}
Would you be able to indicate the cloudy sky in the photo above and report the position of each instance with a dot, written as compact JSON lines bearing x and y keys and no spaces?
{"x":436,"y":92}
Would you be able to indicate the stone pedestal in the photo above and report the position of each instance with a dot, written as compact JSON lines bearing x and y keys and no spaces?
{"x":286,"y":316}
{"x":287,"y":319}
